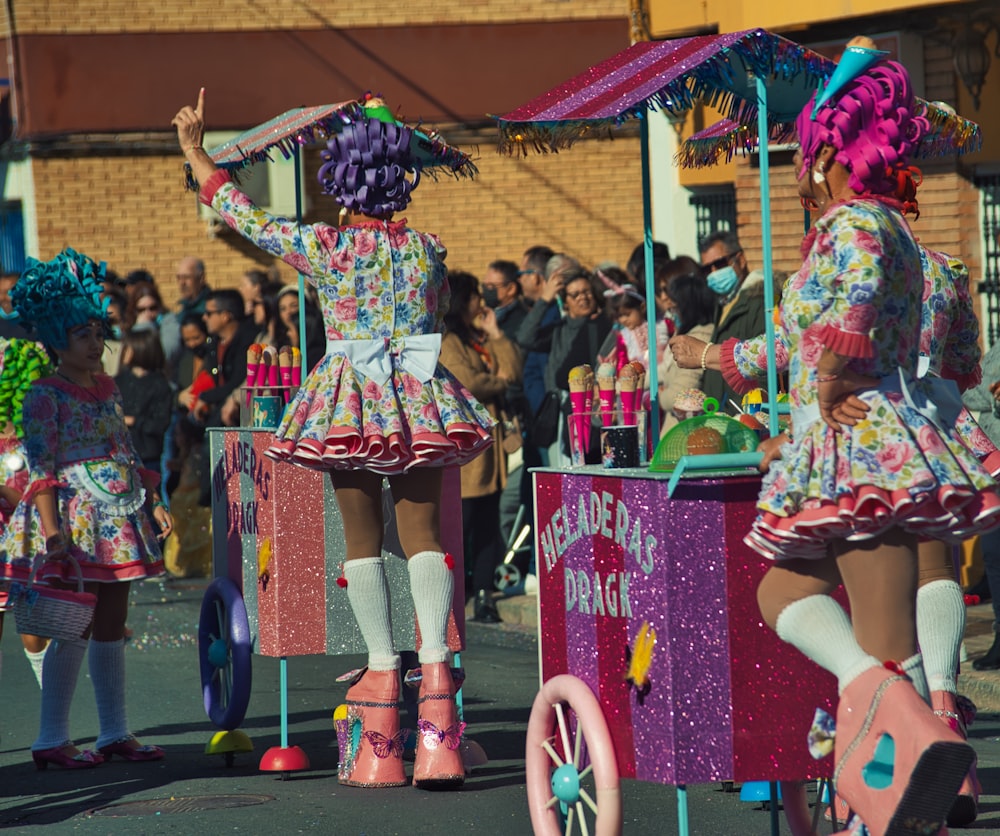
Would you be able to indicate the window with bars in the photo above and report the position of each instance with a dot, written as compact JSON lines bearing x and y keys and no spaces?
{"x":714,"y":210}
{"x":989,"y":285}
{"x":11,"y":237}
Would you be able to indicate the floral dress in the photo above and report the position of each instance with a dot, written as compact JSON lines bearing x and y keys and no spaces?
{"x":949,"y":347}
{"x":13,"y":474}
{"x":76,"y":441}
{"x":903,"y":465}
{"x":378,"y":399}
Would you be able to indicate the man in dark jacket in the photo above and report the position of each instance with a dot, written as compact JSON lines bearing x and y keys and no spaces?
{"x":231,"y":333}
{"x":740,"y":293}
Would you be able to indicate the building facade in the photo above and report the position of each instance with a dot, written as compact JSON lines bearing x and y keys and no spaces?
{"x":89,"y":159}
{"x":952,"y":50}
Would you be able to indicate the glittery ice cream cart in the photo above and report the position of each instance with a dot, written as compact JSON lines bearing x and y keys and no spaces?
{"x":624,"y":553}
{"x":649,"y":600}
{"x":278,"y":550}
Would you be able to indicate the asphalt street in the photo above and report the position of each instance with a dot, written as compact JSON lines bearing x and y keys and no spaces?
{"x":190,"y":792}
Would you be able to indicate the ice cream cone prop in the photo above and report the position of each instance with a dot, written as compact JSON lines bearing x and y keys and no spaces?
{"x":272,"y":370}
{"x":296,"y":367}
{"x":689,"y":403}
{"x":285,"y":369}
{"x":628,"y":382}
{"x":606,"y":392}
{"x":253,"y":361}
{"x":640,"y":384}
{"x":581,"y":399}
{"x":860,"y":54}
{"x":264,"y":370}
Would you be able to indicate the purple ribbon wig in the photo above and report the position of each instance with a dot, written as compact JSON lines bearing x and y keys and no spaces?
{"x":873,"y":124}
{"x":365,"y":167}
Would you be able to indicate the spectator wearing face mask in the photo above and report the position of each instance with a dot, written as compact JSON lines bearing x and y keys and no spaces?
{"x":739,"y":297}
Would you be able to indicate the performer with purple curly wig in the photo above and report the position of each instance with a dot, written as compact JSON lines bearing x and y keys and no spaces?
{"x":850,"y":500}
{"x":378,"y":403}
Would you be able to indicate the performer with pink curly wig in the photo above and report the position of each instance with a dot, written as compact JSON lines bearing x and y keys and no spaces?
{"x":378,"y":403}
{"x":850,"y":500}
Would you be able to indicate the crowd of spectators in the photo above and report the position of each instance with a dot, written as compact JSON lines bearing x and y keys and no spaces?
{"x":513,"y":334}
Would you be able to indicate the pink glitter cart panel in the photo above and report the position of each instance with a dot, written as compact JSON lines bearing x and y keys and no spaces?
{"x":727,"y":699}
{"x":277,"y":533}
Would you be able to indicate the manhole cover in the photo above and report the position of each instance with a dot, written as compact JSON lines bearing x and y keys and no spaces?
{"x":184,"y":804}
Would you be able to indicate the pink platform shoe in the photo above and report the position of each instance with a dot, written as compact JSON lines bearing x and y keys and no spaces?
{"x":371,"y":742}
{"x":438,"y":762}
{"x":898,"y":766}
{"x":966,"y":805}
{"x":128,"y":748}
{"x":58,"y":756}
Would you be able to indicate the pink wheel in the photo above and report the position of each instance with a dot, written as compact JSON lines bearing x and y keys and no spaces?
{"x":796,"y":803}
{"x":567,"y":728}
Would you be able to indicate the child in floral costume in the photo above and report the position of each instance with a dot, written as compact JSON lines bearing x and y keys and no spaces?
{"x":84,"y":500}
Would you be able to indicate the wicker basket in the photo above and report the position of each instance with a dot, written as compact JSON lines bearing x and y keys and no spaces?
{"x":49,"y":612}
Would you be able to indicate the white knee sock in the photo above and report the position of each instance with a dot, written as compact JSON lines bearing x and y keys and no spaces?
{"x":368,"y":592}
{"x":914,"y":668}
{"x":818,"y":626}
{"x":107,"y":671}
{"x":940,"y":627}
{"x":61,"y":670}
{"x":432,"y":585}
{"x":36,"y":660}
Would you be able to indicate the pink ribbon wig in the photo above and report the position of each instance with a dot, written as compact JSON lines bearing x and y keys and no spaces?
{"x":873,"y":124}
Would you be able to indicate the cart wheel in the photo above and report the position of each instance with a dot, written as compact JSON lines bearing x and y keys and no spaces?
{"x":224,"y":652}
{"x":796,"y":803}
{"x":555,"y":751}
{"x":506,"y":576}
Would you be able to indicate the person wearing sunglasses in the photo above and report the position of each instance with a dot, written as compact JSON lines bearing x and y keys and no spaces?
{"x":146,"y":308}
{"x":577,"y":337}
{"x":740,"y":297}
{"x":531,"y":276}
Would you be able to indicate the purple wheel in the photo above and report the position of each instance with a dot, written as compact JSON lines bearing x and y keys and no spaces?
{"x":224,"y":648}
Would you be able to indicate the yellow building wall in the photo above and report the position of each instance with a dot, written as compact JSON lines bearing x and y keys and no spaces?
{"x":668,"y":18}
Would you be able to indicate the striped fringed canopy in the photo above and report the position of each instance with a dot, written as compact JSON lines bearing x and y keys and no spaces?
{"x":720,"y":70}
{"x":308,"y":125}
{"x":949,"y":134}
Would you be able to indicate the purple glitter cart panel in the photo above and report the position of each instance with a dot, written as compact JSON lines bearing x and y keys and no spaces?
{"x":726,"y":699}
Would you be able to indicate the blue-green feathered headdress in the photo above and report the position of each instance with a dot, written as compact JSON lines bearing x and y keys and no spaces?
{"x":53,"y":296}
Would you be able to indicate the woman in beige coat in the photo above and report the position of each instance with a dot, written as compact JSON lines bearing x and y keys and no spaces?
{"x":690,"y":304}
{"x":475,"y":350}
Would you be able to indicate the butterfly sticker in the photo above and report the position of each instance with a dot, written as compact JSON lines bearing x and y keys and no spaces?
{"x":352,"y":676}
{"x":386,"y":747}
{"x":640,"y":659}
{"x":434,"y":737}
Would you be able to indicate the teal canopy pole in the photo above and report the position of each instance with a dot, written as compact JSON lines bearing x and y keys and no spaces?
{"x":647,"y":223}
{"x":297,"y":157}
{"x":765,"y":231}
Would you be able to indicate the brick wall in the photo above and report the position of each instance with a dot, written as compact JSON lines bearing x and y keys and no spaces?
{"x":91,"y":16}
{"x":134,"y":212}
{"x":949,"y":215}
